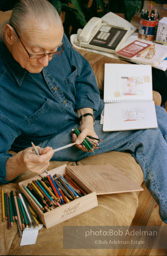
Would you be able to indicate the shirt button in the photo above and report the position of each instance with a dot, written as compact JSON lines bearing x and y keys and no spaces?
{"x":64,"y":101}
{"x":55,"y":88}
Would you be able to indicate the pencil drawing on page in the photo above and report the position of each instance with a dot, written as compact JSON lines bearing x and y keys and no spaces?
{"x":136,"y":114}
{"x":129,"y":85}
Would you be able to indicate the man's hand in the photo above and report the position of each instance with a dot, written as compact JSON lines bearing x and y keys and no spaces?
{"x":28,"y":160}
{"x":87,"y":129}
{"x":37,"y":163}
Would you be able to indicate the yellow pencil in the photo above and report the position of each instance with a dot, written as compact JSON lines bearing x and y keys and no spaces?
{"x":36,"y":221}
{"x":49,"y":191}
{"x":37,"y":190}
{"x":138,"y":55}
{"x":3,"y":206}
{"x":32,"y":210}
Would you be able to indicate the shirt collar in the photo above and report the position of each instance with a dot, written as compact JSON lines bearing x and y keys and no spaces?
{"x":14,"y":67}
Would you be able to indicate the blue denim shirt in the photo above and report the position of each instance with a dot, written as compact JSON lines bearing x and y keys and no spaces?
{"x":35,"y":107}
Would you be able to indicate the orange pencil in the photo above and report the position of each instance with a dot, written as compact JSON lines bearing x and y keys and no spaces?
{"x":18,"y":213}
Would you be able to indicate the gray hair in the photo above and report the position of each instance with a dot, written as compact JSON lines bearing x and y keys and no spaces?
{"x":40,"y":10}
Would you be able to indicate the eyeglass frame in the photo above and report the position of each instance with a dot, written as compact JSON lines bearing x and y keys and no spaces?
{"x":40,"y":55}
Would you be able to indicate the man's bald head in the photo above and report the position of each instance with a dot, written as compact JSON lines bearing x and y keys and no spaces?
{"x":33,"y":11}
{"x":35,"y":29}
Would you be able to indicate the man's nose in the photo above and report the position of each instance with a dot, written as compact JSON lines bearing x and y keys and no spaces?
{"x":44,"y":61}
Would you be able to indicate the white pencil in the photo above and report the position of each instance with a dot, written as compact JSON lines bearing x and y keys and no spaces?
{"x":36,"y":152}
{"x":66,"y":146}
{"x":25,"y":208}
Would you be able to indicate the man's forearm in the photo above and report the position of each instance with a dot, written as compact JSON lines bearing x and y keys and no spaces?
{"x":86,"y":126}
{"x":15,"y":166}
{"x":87,"y":118}
{"x":27,"y":160}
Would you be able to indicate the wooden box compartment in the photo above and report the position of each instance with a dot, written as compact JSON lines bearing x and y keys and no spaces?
{"x":94,"y":179}
{"x":66,"y":211}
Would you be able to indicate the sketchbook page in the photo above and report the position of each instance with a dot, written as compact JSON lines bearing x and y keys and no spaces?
{"x":124,"y":82}
{"x":129,"y":116}
{"x":115,"y":20}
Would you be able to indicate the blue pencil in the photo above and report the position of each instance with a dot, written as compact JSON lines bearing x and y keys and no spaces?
{"x":57,"y":189}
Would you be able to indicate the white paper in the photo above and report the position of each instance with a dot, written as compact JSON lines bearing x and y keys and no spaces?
{"x":127,"y":82}
{"x":30,"y":235}
{"x":129,"y":116}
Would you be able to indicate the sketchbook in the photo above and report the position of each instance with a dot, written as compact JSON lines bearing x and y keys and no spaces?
{"x":128,"y":102}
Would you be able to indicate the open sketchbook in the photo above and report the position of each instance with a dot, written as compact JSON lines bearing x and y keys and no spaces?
{"x":128,"y":103}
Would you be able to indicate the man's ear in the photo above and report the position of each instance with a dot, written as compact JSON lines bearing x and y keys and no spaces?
{"x":10,"y":35}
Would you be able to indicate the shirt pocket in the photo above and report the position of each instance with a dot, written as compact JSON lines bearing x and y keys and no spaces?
{"x":70,"y":82}
{"x":48,"y":119}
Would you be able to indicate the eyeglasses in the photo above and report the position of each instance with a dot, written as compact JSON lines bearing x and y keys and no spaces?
{"x":39,"y":55}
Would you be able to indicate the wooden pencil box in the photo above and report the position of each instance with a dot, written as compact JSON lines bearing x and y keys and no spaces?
{"x":66,"y":211}
{"x":94,"y":179}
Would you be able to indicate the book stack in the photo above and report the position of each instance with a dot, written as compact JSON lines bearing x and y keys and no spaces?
{"x":142,"y":52}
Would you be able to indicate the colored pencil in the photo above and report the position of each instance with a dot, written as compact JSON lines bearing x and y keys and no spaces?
{"x":85,"y":142}
{"x":36,"y":189}
{"x":32,"y":210}
{"x":13,"y":204}
{"x":68,"y":189}
{"x":53,"y":187}
{"x":49,"y":191}
{"x":11,"y":211}
{"x":40,"y":199}
{"x":64,"y":147}
{"x":36,"y":201}
{"x":36,"y":151}
{"x":63,"y":189}
{"x":18,"y":213}
{"x":44,"y":191}
{"x":8,"y":211}
{"x":18,"y":226}
{"x":23,"y":212}
{"x":21,"y":215}
{"x":63,"y":196}
{"x":60,"y":196}
{"x":91,"y":137}
{"x":75,"y":184}
{"x":3,"y":206}
{"x":25,"y":208}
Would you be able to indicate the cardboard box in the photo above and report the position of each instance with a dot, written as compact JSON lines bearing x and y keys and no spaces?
{"x":94,"y":179}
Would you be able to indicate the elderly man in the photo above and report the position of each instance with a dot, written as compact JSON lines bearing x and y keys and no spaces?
{"x":47,"y":89}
